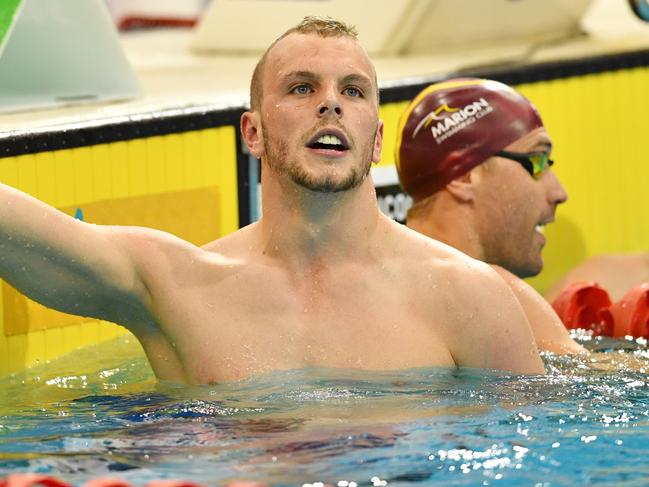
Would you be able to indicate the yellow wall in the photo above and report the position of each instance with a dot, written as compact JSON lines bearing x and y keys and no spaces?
{"x":183,"y":183}
{"x":599,"y":126}
{"x":390,"y":113}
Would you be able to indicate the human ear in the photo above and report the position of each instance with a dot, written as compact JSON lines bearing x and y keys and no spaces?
{"x":251,"y":133}
{"x":378,"y":143}
{"x":463,"y":187}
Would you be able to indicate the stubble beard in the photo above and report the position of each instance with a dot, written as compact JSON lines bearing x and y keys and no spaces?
{"x":277,"y":159}
{"x":522,"y":258}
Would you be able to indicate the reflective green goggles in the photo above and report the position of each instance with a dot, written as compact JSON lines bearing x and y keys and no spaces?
{"x":534,"y":163}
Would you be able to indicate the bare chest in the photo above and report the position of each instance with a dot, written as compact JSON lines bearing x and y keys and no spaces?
{"x":252,"y":326}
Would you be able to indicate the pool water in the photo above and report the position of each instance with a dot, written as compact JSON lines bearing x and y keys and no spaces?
{"x":585,"y":423}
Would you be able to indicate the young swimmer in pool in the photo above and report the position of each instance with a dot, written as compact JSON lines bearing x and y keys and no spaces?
{"x":475,"y":157}
{"x":323,"y":279}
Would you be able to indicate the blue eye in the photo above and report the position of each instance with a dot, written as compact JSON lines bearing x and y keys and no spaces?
{"x":301,"y":89}
{"x":353,"y":91}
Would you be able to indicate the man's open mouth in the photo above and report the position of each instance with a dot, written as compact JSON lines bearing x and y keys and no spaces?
{"x":328,"y":141}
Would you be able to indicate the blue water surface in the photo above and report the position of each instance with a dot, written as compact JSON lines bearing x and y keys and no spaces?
{"x":585,"y":423}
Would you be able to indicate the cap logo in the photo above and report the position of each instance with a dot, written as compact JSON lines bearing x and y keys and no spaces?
{"x":445,"y":121}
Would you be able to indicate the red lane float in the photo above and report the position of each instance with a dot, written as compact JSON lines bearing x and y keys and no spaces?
{"x":106,"y":482}
{"x":31,"y":480}
{"x":38,"y":480}
{"x":631,"y":313}
{"x":585,"y":305}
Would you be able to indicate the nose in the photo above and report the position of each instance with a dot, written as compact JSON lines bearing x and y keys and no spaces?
{"x":330,"y":105}
{"x":556,"y":192}
{"x":324,"y":108}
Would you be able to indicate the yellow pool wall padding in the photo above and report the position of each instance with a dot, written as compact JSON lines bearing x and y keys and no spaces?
{"x":184,"y":183}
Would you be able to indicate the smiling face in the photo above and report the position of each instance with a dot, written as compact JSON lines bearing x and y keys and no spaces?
{"x":318,"y":121}
{"x":513,"y":207}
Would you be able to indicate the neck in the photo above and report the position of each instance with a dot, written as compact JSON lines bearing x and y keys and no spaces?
{"x":440,"y":221}
{"x":306,"y":226}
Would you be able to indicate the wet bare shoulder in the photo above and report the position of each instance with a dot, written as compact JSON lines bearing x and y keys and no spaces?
{"x":479,"y":316}
{"x":439,"y":274}
{"x":236,"y":245}
{"x":469,"y":304}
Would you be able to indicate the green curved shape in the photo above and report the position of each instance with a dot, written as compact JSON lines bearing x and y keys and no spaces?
{"x":8,"y":12}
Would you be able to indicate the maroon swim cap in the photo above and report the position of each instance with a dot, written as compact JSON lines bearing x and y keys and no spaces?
{"x":453,"y":126}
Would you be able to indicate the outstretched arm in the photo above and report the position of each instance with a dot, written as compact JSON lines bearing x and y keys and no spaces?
{"x":69,"y":265}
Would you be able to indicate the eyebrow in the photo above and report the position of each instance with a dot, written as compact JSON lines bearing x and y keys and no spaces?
{"x":302,"y":75}
{"x":356,"y":78}
{"x":544,"y":144}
